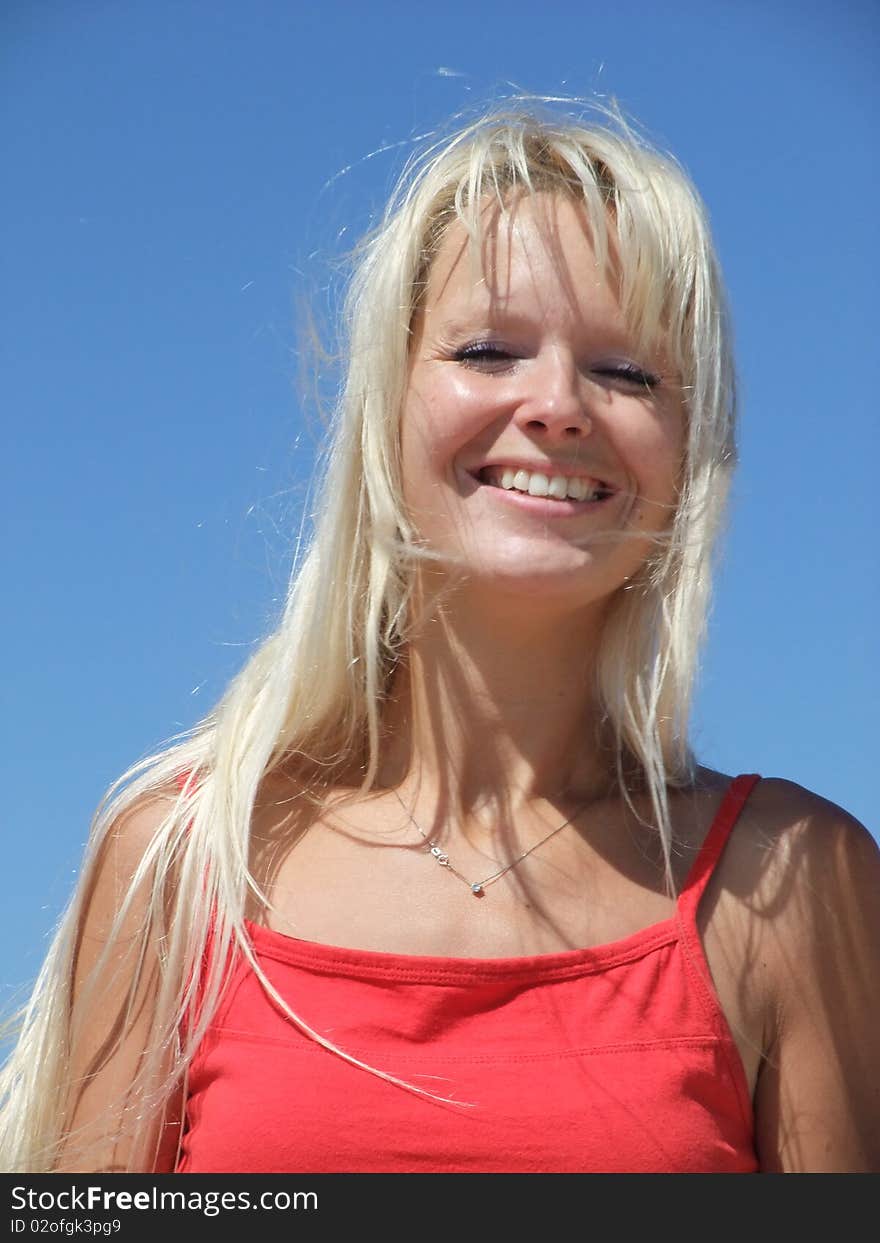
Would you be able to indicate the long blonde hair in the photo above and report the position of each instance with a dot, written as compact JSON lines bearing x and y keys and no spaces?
{"x":311,"y":694}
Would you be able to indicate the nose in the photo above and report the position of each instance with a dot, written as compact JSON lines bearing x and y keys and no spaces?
{"x":554,"y":399}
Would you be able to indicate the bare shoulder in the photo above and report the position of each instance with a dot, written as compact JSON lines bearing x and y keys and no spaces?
{"x":818,"y":889}
{"x":135,"y":827}
{"x":120,"y":882}
{"x":118,"y":948}
{"x":804,"y":874}
{"x":812,"y":854}
{"x":793,"y":851}
{"x":793,"y":807}
{"x":124,"y":851}
{"x":810,"y":874}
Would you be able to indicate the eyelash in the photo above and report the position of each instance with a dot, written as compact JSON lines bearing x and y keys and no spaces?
{"x":487,"y":352}
{"x":482,"y":351}
{"x":629,"y":373}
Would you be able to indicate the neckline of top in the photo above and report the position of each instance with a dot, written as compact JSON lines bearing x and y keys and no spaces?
{"x":319,"y":955}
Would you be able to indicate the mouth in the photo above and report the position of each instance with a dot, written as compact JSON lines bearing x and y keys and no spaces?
{"x":544,"y":493}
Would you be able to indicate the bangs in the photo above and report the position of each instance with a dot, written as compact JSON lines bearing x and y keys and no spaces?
{"x":646,"y":226}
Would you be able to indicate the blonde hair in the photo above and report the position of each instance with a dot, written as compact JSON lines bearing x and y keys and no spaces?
{"x":312,"y":693}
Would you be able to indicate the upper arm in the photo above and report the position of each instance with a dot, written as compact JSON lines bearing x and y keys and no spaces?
{"x":112,"y":1011}
{"x":817,"y":1099}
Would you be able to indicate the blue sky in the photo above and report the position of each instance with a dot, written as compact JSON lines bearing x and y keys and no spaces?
{"x":182,"y":179}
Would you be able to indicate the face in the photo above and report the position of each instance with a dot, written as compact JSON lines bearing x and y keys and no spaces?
{"x":525,"y":380}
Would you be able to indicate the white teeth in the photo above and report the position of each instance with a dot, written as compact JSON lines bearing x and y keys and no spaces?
{"x":559,"y":487}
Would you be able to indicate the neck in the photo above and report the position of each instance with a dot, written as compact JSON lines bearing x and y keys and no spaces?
{"x":493,"y":710}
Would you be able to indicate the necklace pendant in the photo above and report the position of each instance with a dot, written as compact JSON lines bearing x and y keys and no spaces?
{"x":476,"y":887}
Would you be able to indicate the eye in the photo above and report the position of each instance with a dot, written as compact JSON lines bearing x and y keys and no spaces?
{"x":485,"y":356}
{"x":628,"y":373}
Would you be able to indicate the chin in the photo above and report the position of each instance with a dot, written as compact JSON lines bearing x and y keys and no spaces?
{"x":538,"y":589}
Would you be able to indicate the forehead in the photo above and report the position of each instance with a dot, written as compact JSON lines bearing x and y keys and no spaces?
{"x":537,"y":251}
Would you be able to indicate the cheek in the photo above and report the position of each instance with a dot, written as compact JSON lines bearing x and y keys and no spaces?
{"x":440,"y":418}
{"x":419,"y":439}
{"x":653,"y":443}
{"x":653,"y":459}
{"x":425,"y":445}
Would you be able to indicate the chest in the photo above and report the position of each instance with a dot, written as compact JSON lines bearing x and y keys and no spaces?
{"x":366,"y":887}
{"x":575,"y":1062}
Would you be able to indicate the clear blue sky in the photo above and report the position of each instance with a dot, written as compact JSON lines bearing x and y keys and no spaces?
{"x":181,"y":176}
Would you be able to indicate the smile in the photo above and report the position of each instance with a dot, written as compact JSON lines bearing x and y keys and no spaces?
{"x":553,"y":487}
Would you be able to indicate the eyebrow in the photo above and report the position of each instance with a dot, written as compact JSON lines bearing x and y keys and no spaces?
{"x":452,"y":327}
{"x":487,"y":315}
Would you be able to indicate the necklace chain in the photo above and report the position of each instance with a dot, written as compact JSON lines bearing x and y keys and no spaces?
{"x":478,"y":888}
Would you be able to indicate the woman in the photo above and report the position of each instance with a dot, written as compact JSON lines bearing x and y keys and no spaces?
{"x":440,"y":884}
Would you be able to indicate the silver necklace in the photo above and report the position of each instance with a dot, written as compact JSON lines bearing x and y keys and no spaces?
{"x":478,"y":887}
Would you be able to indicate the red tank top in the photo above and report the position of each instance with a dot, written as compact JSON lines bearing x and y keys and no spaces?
{"x":615,"y":1058}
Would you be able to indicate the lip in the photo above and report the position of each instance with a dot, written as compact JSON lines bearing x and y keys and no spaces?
{"x":542,"y":506}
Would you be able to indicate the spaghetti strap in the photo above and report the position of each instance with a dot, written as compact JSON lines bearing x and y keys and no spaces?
{"x":716,"y":839}
{"x":181,"y":780}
